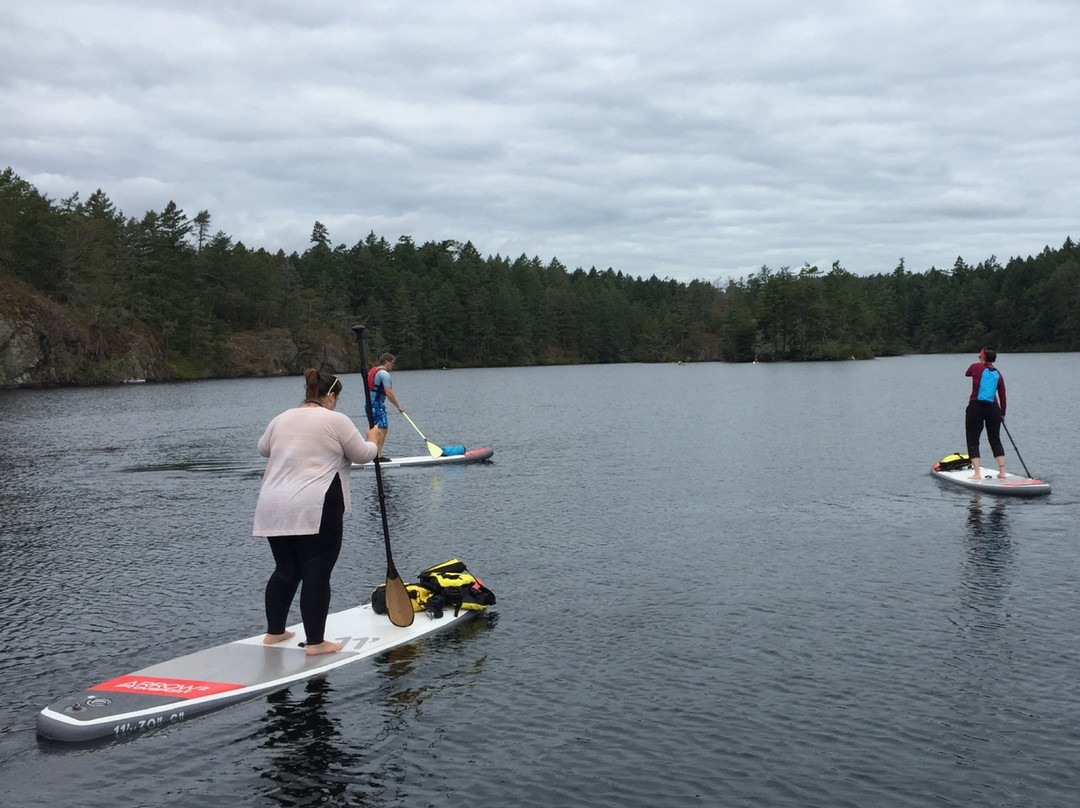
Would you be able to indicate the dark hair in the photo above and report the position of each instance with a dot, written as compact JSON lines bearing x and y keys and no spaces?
{"x":990,"y":354}
{"x":386,"y":357}
{"x":320,"y":384}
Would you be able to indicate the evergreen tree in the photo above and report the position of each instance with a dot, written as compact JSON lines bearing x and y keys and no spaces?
{"x":445,"y":304}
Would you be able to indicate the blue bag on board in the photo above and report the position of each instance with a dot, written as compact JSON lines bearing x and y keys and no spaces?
{"x":453,"y":450}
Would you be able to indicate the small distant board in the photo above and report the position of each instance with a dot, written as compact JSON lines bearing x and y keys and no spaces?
{"x":198,"y":683}
{"x":471,"y":456}
{"x":1014,"y":485}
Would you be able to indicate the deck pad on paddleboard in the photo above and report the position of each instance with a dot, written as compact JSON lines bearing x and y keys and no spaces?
{"x":181,"y":688}
{"x":471,"y":456}
{"x":1015,"y":485}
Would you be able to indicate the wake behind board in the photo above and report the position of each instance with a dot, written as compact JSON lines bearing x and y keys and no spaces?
{"x":471,"y":456}
{"x":1015,"y":485}
{"x":182,"y":688}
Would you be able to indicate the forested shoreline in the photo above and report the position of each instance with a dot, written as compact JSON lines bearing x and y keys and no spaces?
{"x":89,"y":295}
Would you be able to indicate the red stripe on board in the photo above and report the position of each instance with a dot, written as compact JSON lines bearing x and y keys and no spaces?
{"x":159,"y":686}
{"x":1025,"y":482}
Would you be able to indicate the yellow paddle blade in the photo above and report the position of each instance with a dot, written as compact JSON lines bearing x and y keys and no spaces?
{"x":435,"y":451}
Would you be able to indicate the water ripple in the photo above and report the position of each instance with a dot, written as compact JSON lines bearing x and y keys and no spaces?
{"x":717,"y":601}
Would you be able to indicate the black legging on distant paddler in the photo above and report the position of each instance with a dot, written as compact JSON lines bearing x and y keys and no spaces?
{"x":977,"y":414}
{"x":306,"y":560}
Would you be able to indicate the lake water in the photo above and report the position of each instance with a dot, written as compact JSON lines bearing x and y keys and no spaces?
{"x":718,"y":584}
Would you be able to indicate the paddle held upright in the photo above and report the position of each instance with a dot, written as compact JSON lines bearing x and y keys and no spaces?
{"x":398,"y":604}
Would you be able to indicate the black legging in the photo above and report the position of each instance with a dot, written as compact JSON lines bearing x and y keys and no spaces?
{"x":307,"y":559}
{"x":977,"y":414}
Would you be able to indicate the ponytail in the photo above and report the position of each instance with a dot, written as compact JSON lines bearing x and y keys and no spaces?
{"x":319,"y":384}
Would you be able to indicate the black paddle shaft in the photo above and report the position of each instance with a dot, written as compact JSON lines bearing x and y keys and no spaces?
{"x":391,"y":570}
{"x":1022,"y":463}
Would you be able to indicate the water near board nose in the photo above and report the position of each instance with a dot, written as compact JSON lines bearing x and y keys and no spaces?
{"x":718,"y":585}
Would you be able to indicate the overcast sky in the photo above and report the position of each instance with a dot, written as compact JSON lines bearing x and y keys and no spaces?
{"x":690,"y":139}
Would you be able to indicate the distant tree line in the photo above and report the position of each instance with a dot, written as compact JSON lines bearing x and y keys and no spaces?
{"x":443,"y":304}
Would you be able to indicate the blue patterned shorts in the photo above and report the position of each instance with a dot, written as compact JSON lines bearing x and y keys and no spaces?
{"x":378,"y":413}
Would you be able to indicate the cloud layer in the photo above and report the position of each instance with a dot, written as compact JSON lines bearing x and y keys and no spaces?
{"x":683,"y":139}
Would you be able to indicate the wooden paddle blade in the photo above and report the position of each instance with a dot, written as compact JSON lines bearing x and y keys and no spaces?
{"x":433,"y":450}
{"x":398,"y":603}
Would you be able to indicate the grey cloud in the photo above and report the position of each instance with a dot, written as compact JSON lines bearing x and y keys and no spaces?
{"x":687,"y":140}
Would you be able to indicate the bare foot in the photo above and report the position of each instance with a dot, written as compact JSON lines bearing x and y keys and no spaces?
{"x":272,"y":639}
{"x":975,"y":477}
{"x":1002,"y":475}
{"x":325,"y":647}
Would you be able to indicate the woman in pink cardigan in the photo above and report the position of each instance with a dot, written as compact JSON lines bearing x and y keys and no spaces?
{"x":302,"y":503}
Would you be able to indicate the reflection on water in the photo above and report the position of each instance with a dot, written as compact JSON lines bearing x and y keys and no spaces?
{"x":989,"y":540}
{"x":989,"y":520}
{"x":305,"y":747}
{"x":198,"y":467}
{"x":988,"y":553}
{"x":311,"y":761}
{"x":400,"y":662}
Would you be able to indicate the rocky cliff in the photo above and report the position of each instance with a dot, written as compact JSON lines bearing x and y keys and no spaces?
{"x":39,"y":344}
{"x":43,"y":344}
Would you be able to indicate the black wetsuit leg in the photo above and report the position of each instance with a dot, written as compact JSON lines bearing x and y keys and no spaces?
{"x":973,"y":427}
{"x":308,"y":561}
{"x":978,"y":415}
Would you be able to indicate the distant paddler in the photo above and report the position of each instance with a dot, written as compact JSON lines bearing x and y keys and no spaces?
{"x":986,"y":407}
{"x":381,"y":388}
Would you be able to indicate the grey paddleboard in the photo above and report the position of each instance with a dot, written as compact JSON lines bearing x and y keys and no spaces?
{"x":194,"y":684}
{"x":1016,"y":485}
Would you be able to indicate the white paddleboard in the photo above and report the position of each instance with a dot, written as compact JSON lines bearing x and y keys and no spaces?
{"x":1015,"y":485}
{"x":471,"y":456}
{"x":182,"y":688}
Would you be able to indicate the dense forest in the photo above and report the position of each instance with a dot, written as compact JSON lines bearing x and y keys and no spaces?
{"x":195,"y":293}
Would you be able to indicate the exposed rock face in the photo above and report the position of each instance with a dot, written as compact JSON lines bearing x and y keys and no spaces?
{"x":275,"y":352}
{"x":44,"y":344}
{"x":261,"y":353}
{"x":38,"y":343}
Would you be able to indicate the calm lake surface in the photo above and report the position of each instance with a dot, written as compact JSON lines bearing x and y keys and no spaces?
{"x":730,"y":585}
